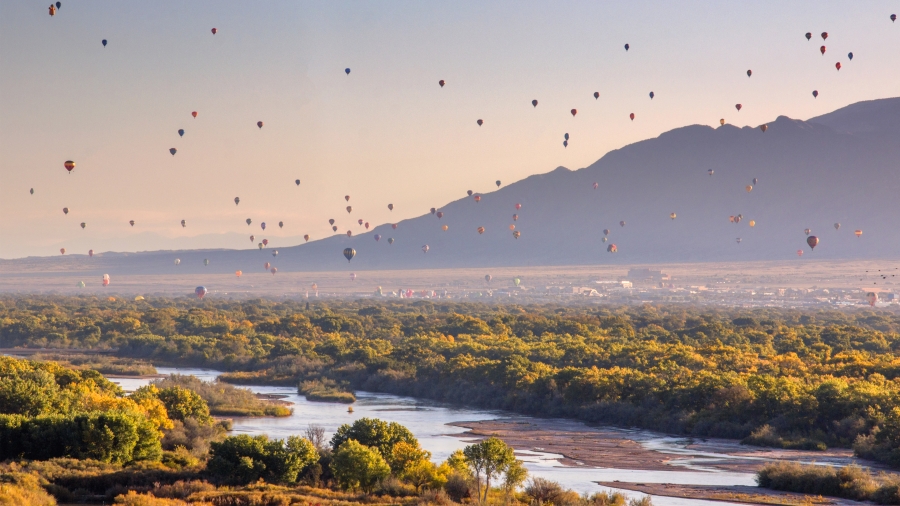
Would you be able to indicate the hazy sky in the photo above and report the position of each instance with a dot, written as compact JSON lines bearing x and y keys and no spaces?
{"x":386,"y":133}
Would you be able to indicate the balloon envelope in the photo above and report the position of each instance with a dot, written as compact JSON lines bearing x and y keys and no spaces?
{"x":194,"y":114}
{"x":173,"y":151}
{"x":200,"y":292}
{"x":534,"y":103}
{"x":349,"y":253}
{"x":812,"y":241}
{"x":596,"y":95}
{"x":103,"y":42}
{"x":480,"y":122}
{"x":181,"y":132}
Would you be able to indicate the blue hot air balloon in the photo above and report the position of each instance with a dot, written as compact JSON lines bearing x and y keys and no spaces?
{"x":815,"y":93}
{"x":566,"y":136}
{"x":627,"y":47}
{"x":103,"y":42}
{"x":652,"y":95}
{"x":565,"y":144}
{"x":173,"y":151}
{"x":347,"y":70}
{"x":181,"y":132}
{"x":850,"y":55}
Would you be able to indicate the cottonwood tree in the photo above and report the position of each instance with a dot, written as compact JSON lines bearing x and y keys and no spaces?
{"x":488,"y":459}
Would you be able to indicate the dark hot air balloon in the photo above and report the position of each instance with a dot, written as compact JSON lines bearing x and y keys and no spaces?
{"x":807,"y":231}
{"x":347,"y":71}
{"x":763,"y":127}
{"x":815,"y":93}
{"x":66,"y":210}
{"x":596,"y":95}
{"x":433,"y":210}
{"x":515,"y":217}
{"x":469,"y":193}
{"x":249,"y":221}
{"x":215,"y":31}
{"x":738,"y":107}
{"x":425,"y":248}
{"x":824,"y":35}
{"x":103,"y":42}
{"x":631,"y":116}
{"x":893,"y":18}
{"x":331,"y":221}
{"x":439,"y":214}
{"x":200,"y":292}
{"x":813,"y":241}
{"x":497,"y":182}
{"x":297,"y":182}
{"x":565,"y":144}
{"x":749,"y":73}
{"x":517,"y":234}
{"x":627,"y":47}
{"x":377,"y":237}
{"x":360,"y":221}
{"x":259,"y":124}
{"x":306,"y":237}
{"x":837,"y":226}
{"x":83,"y":224}
{"x":31,"y":191}
{"x":442,"y":83}
{"x":574,"y":112}
{"x":334,"y":228}
{"x":91,"y":254}
{"x":280,"y":224}
{"x":131,"y":223}
{"x":173,"y":151}
{"x":480,"y":122}
{"x":822,"y":50}
{"x":755,"y":180}
{"x":237,"y":200}
{"x":652,"y":95}
{"x":566,"y":137}
{"x":534,"y":103}
{"x":488,"y":278}
{"x":390,"y":207}
{"x":808,"y":35}
{"x":622,"y":223}
{"x":837,"y":65}
{"x":349,"y":253}
{"x":850,"y":55}
{"x":181,"y":132}
{"x":711,"y":172}
{"x":349,"y":209}
{"x":390,"y":240}
{"x":62,"y":251}
{"x":183,"y":223}
{"x":605,"y":231}
{"x":69,"y":165}
{"x":349,"y":233}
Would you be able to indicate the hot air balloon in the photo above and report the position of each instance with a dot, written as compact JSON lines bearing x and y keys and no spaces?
{"x":173,"y":151}
{"x":183,"y":223}
{"x":627,"y":47}
{"x":347,"y":71}
{"x":711,"y":172}
{"x":497,"y":182}
{"x":813,"y":241}
{"x":738,"y":107}
{"x":390,"y":207}
{"x":360,"y":221}
{"x":755,"y":180}
{"x":177,"y":261}
{"x":263,"y":225}
{"x":565,"y":144}
{"x":390,"y":240}
{"x":52,"y":10}
{"x":433,"y":210}
{"x":69,"y":165}
{"x":260,"y":246}
{"x":722,"y":122}
{"x":512,"y":227}
{"x":200,"y":291}
{"x":752,"y":223}
{"x":194,"y":114}
{"x":280,"y":224}
{"x":749,"y":188}
{"x":31,"y":191}
{"x":824,"y":35}
{"x":822,"y":50}
{"x":394,"y":226}
{"x":652,"y":95}
{"x":516,"y":281}
{"x":815,"y":93}
{"x":763,"y":128}
{"x":349,"y":253}
{"x":80,"y":284}
{"x":442,"y":83}
{"x":622,"y":223}
{"x":631,"y":116}
{"x":249,"y":221}
{"x":445,"y":228}
{"x":103,"y":42}
{"x":377,"y":237}
{"x":349,"y":209}
{"x":83,"y":224}
{"x":275,"y":253}
{"x":807,"y":231}
{"x":259,"y":124}
{"x":62,"y":251}
{"x":858,"y":233}
{"x":91,"y":253}
{"x":517,"y":234}
{"x":518,"y":206}
{"x":596,"y":185}
{"x":749,"y":73}
{"x":366,"y":225}
{"x":238,"y":273}
{"x":252,"y":238}
{"x":612,"y":248}
{"x":66,"y":210}
{"x":893,"y":18}
{"x":738,"y":240}
{"x":566,"y":137}
{"x":574,"y":112}
{"x":265,"y":242}
{"x":205,"y":261}
{"x":672,"y":215}
{"x":477,"y":198}
{"x":799,"y":252}
{"x":131,"y":222}
{"x":837,"y":66}
{"x":534,"y":103}
{"x":515,"y":217}
{"x":469,"y":193}
{"x":331,"y":221}
{"x":105,"y":282}
{"x":306,"y":237}
{"x":596,"y":95}
{"x":214,"y":31}
{"x":425,"y":249}
{"x":266,"y":266}
{"x":488,"y":278}
{"x":237,"y":200}
{"x":297,"y":182}
{"x":480,"y":122}
{"x":872,"y":298}
{"x":731,"y":219}
{"x":837,"y":226}
{"x":352,"y":276}
{"x":850,"y":56}
{"x":181,"y":132}
{"x":738,"y":218}
{"x":480,"y":230}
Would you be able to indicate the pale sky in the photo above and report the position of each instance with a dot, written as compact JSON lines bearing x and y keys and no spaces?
{"x":386,"y":133}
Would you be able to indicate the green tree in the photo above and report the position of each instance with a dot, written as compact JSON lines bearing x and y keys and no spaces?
{"x":488,"y":459}
{"x":357,"y":466}
{"x":376,"y":433}
{"x":513,"y":477}
{"x":404,"y":455}
{"x":182,"y":403}
{"x":245,"y":459}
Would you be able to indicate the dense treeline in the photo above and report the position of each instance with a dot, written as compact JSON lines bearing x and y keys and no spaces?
{"x":775,"y":377}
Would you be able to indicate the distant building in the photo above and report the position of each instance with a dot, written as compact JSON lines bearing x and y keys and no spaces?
{"x":646,"y":275}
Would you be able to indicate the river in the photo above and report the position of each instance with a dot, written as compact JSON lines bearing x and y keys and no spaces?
{"x":429,"y":421}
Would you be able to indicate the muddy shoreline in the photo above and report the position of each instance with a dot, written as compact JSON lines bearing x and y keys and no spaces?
{"x":731,"y":494}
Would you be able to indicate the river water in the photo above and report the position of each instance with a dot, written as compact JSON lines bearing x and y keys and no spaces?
{"x":428,"y":422}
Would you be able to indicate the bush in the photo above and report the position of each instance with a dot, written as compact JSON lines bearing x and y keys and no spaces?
{"x":18,"y":489}
{"x":850,"y":482}
{"x":458,"y":487}
{"x":356,"y":466}
{"x":325,"y":391}
{"x":244,"y":459}
{"x":132,"y":498}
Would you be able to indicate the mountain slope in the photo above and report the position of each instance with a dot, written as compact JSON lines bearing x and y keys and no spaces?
{"x":839,"y":167}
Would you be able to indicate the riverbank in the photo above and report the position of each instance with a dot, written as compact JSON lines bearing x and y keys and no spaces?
{"x":730,"y":494}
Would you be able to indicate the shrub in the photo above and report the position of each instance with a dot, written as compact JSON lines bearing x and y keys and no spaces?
{"x":244,"y":459}
{"x":356,"y":466}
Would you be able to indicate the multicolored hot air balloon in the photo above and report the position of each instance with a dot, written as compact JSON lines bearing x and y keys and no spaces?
{"x":425,"y":249}
{"x":612,"y":248}
{"x":871,"y":298}
{"x":517,"y":234}
{"x":394,"y":226}
{"x":480,"y":230}
{"x":812,"y":241}
{"x":477,"y":198}
{"x":858,"y":233}
{"x":266,"y":266}
{"x":275,"y":253}
{"x":515,"y":217}
{"x":711,"y":172}
{"x":200,"y":292}
{"x":69,"y":165}
{"x":596,"y":185}
{"x":265,"y":242}
{"x":105,"y":282}
{"x":252,"y":238}
{"x":893,"y":18}
{"x":349,"y":253}
{"x":52,"y":10}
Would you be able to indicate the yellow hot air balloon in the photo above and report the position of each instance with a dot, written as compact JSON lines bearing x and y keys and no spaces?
{"x":672,"y":215}
{"x":139,"y":297}
{"x":444,"y":228}
{"x":749,"y":188}
{"x":858,"y":233}
{"x":752,"y":223}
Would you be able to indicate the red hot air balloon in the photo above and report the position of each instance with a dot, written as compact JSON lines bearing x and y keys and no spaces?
{"x":306,"y":237}
{"x":534,"y":103}
{"x":872,"y":298}
{"x":252,"y":238}
{"x":631,"y":116}
{"x":822,"y":50}
{"x":194,"y":114}
{"x":62,"y":251}
{"x":824,"y":35}
{"x":518,"y":206}
{"x":366,"y":225}
{"x":596,"y":185}
{"x":394,"y":226}
{"x":837,"y":65}
{"x":439,"y":214}
{"x":813,"y":241}
{"x":858,"y":233}
{"x":347,"y":198}
{"x":480,"y":230}
{"x":259,"y":124}
{"x":360,"y":221}
{"x":799,"y":252}
{"x":612,"y":248}
{"x":574,"y":112}
{"x":738,"y":107}
{"x":596,"y":95}
{"x":442,"y":83}
{"x":763,"y":128}
{"x":477,"y":198}
{"x":69,"y":165}
{"x":480,"y":122}
{"x":215,"y":31}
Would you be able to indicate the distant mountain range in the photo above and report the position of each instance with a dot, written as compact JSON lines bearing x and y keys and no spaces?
{"x":843,"y":167}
